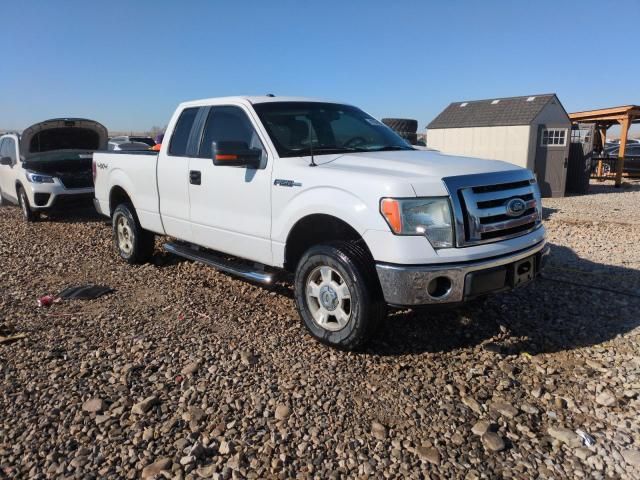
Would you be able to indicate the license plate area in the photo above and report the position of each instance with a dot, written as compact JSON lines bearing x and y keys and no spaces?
{"x":523,"y":271}
{"x":501,"y":278}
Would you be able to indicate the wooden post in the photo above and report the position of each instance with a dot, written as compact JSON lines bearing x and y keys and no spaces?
{"x":602,"y":130}
{"x":603,"y":136}
{"x":621,"y":152}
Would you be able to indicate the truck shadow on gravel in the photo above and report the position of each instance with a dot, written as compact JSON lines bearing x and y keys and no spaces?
{"x":574,"y":303}
{"x":547,"y":212}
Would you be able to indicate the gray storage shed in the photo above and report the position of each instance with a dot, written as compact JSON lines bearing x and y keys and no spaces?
{"x":531,"y":131}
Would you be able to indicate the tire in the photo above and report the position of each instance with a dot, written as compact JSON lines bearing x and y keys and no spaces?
{"x":344,"y":319}
{"x":133,"y":243}
{"x":23,"y":202}
{"x":405,"y":127}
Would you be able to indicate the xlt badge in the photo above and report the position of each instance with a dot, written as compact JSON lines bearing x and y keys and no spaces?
{"x":286,"y":183}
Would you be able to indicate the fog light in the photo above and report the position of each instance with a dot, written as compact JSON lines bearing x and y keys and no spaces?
{"x":439,"y":287}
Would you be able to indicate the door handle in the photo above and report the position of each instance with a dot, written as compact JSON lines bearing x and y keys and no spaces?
{"x":195,"y":177}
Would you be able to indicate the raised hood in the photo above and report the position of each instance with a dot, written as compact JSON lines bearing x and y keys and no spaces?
{"x":422,"y":169}
{"x":59,"y":134}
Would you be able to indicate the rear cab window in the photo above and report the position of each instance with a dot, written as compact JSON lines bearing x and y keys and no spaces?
{"x":182,"y":131}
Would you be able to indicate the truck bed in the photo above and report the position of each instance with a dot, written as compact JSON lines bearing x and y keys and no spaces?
{"x":135,"y":175}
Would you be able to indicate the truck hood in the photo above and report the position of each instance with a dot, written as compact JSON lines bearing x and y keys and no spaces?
{"x":422,"y":169}
{"x":63,"y":134}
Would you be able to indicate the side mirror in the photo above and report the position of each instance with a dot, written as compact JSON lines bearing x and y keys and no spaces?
{"x":235,"y":154}
{"x":6,"y":161}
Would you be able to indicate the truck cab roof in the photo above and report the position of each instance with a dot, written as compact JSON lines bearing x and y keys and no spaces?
{"x":252,"y":99}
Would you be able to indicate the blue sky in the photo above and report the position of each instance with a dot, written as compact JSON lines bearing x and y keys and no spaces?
{"x":127,"y":64}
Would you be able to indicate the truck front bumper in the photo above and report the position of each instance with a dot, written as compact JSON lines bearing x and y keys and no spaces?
{"x":413,"y":285}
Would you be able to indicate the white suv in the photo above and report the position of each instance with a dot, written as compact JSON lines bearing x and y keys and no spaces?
{"x":49,"y":165}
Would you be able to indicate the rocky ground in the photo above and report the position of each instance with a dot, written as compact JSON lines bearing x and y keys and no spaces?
{"x":185,"y":372}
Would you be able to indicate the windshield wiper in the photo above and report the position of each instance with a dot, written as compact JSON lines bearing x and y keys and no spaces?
{"x":321,"y":150}
{"x":389,"y":148}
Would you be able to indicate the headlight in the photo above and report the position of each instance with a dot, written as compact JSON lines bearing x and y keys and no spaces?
{"x":420,"y":216}
{"x":39,"y":178}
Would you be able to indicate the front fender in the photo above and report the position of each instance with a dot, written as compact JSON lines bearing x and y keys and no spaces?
{"x":337,"y":202}
{"x":332,"y":201}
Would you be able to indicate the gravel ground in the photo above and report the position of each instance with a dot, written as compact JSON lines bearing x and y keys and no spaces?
{"x":185,"y":372}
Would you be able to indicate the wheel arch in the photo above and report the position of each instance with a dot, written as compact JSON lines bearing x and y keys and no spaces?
{"x":19,"y":185}
{"x":118,"y":195}
{"x":315,"y":229}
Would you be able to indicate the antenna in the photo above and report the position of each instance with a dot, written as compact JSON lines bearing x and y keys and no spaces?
{"x":313,"y":162}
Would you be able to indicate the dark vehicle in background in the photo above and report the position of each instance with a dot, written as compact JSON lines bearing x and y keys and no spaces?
{"x":49,"y":166}
{"x":610,"y":157}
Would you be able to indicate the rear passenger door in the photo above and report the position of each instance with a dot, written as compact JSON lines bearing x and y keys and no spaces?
{"x":231,"y":206}
{"x":173,"y":174}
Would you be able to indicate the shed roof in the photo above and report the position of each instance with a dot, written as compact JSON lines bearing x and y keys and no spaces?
{"x":493,"y":112}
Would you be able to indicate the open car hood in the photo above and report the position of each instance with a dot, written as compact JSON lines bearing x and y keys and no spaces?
{"x":63,"y":134}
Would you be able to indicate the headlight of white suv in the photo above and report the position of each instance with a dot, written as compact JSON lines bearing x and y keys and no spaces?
{"x":430,"y":217}
{"x":34,"y":177}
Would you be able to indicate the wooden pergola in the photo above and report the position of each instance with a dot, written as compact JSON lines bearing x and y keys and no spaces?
{"x":607,"y":117}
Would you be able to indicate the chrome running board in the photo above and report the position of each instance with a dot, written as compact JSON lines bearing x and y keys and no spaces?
{"x":218,"y":262}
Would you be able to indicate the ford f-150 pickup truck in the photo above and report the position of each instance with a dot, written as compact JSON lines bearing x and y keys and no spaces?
{"x":49,"y":166}
{"x":257,"y":186}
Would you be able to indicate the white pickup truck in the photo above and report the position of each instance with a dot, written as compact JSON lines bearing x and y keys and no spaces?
{"x":257,"y":186}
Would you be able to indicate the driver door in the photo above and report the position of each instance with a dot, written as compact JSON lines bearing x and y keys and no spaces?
{"x":231,"y":206}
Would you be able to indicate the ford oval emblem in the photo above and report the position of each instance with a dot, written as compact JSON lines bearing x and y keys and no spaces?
{"x":516,"y":207}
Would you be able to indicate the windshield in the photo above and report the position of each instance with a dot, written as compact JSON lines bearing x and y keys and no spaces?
{"x":298,"y":127}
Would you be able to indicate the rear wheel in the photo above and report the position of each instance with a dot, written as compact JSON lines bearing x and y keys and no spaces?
{"x":134,"y":244}
{"x":28,"y":214}
{"x":337,"y":294}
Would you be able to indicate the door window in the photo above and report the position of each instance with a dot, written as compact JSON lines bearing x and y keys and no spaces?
{"x":554,"y":137}
{"x":8,"y":149}
{"x":181,"y":132}
{"x":229,"y":124}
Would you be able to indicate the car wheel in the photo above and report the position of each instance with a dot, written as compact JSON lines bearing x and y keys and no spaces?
{"x":23,"y":201}
{"x":134,"y":244}
{"x":338,"y":295}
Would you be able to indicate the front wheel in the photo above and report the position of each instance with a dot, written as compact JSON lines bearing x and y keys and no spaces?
{"x":28,"y":214}
{"x":134,"y":244}
{"x":338,"y":295}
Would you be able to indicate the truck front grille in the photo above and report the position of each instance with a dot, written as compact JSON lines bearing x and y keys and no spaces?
{"x":484,"y":206}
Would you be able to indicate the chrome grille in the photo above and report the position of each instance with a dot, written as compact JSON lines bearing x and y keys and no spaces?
{"x":480,"y":206}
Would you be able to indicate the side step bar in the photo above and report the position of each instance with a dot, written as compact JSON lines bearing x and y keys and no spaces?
{"x":220,"y":263}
